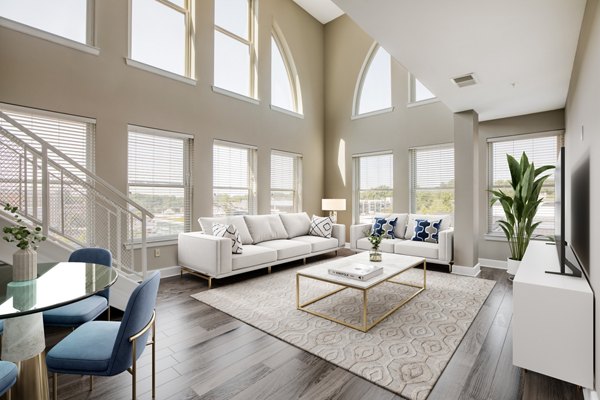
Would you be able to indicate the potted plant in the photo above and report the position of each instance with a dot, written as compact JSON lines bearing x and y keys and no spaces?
{"x":375,"y":240}
{"x":24,"y":259}
{"x":520,"y":206}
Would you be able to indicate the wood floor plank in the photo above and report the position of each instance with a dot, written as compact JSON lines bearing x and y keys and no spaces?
{"x":507,"y":383}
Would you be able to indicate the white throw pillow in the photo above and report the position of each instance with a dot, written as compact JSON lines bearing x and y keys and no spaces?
{"x":265,"y":227}
{"x":321,"y":226}
{"x":231,"y":232}
{"x":296,"y":224}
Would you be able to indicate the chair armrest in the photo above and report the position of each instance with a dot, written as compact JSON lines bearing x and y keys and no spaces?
{"x":446,"y":245}
{"x":357,"y":232}
{"x":339,"y":232}
{"x":204,"y":253}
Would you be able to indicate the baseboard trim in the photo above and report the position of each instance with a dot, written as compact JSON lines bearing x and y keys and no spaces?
{"x":168,"y":272}
{"x":347,"y":245}
{"x":466,"y":271}
{"x":491,"y":263}
{"x":589,"y":394}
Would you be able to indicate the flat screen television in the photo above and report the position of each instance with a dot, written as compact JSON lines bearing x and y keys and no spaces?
{"x":566,"y":267}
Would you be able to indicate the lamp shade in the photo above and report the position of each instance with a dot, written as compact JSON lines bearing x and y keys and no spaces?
{"x":333,"y":204}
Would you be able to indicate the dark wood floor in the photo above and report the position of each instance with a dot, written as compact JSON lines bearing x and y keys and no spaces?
{"x":203,"y":353}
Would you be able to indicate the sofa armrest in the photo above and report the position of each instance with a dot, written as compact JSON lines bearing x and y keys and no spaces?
{"x":339,"y":233}
{"x":446,"y":245}
{"x":207,"y":254}
{"x":357,"y":232}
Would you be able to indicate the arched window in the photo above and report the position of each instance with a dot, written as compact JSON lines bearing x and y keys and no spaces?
{"x":285,"y":87}
{"x":374,"y":87}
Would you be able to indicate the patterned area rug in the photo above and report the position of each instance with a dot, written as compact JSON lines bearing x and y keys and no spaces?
{"x":406,"y":353}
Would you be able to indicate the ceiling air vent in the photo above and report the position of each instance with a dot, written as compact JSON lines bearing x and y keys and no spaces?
{"x":464,"y":80}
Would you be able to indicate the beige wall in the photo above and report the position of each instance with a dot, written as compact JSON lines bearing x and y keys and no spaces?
{"x":531,"y":123}
{"x":583,"y":151}
{"x":346,"y":47}
{"x":37,"y":73}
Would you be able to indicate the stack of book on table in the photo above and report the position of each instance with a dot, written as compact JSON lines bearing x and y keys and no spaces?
{"x":360,"y":272}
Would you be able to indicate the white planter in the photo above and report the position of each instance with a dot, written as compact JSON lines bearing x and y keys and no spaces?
{"x":24,"y":265}
{"x":513,"y":266}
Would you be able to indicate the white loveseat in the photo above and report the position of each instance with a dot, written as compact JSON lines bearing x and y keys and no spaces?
{"x":439,"y":253}
{"x":267,"y":240}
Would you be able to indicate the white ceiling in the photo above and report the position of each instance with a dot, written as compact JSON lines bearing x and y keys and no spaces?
{"x":521,"y":51}
{"x":322,"y":10}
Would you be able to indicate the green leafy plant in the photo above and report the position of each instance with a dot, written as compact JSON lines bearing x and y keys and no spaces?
{"x":375,"y":240}
{"x":520,"y":206}
{"x":23,"y":235}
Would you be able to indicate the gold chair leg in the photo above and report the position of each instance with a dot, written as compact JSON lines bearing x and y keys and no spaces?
{"x":55,"y":386}
{"x":91,"y":383}
{"x":133,"y":372}
{"x":9,"y":394}
{"x":154,"y":360}
{"x":109,"y":312}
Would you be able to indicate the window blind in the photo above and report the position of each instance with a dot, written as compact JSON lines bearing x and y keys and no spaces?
{"x":540,"y":151}
{"x":233,"y":179}
{"x":71,"y":135}
{"x":285,"y":182}
{"x":432,"y":180}
{"x":375,"y":186}
{"x":159,"y":179}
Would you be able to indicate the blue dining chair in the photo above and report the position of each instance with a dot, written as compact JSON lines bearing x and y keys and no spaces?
{"x":88,"y":309}
{"x":8,"y":377}
{"x":107,"y":348}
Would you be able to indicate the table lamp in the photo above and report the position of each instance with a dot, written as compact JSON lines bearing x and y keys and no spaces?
{"x":333,"y":206}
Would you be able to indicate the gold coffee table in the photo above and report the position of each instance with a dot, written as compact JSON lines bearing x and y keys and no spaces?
{"x":393,"y":265}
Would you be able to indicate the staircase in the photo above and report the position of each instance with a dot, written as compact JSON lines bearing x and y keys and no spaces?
{"x":74,"y":207}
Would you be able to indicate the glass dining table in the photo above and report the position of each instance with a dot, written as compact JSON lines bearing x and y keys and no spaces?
{"x":21,"y":306}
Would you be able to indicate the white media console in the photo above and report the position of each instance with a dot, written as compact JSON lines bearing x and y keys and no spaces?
{"x":553,"y":319}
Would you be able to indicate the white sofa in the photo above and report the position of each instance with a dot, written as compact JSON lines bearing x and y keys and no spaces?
{"x":439,"y":253}
{"x":267,"y":240}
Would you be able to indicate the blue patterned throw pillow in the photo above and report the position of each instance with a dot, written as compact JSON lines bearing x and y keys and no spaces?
{"x":384,"y":226}
{"x":426,"y":231}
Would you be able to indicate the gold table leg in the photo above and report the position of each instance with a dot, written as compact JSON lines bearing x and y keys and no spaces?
{"x":32,"y":382}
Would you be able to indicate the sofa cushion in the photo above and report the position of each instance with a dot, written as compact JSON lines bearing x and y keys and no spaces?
{"x":237,"y":220}
{"x":321,"y":226}
{"x":426,"y":230}
{"x":288,"y":248}
{"x":384,"y":226}
{"x":318,"y":243}
{"x":447,"y":222}
{"x":400,"y":228}
{"x":387,"y":245}
{"x":230,"y":232}
{"x":253,"y":255}
{"x":295,"y":224}
{"x":265,"y":227}
{"x":417,"y":249}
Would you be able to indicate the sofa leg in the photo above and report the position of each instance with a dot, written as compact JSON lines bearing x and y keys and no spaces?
{"x":304,"y":261}
{"x":269,"y":269}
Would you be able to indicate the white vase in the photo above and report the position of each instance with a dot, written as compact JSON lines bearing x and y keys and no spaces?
{"x":24,"y":265}
{"x":513,"y":266}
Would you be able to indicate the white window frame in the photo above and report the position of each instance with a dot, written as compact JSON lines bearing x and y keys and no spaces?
{"x":412,"y":94}
{"x":188,"y":13}
{"x":188,"y":147}
{"x":297,"y":179}
{"x":292,"y":72}
{"x":87,"y":47}
{"x":559,"y":134}
{"x":356,"y":182}
{"x":252,"y":170}
{"x":359,"y":86}
{"x":413,"y":175}
{"x":251,"y":43}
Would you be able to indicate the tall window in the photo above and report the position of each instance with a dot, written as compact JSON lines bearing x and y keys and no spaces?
{"x":70,"y":19}
{"x":432,"y":180}
{"x":161,"y":34}
{"x":374,"y":89}
{"x":374,"y":187}
{"x":159,"y":169}
{"x":418,"y":91}
{"x":234,"y":46}
{"x":285,"y":89}
{"x":541,"y":150}
{"x":286,"y":182}
{"x":234,"y":182}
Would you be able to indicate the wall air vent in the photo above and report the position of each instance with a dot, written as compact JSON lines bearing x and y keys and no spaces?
{"x":464,"y":80}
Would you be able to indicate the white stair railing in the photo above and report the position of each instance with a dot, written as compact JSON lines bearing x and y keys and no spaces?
{"x":75,"y":207}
